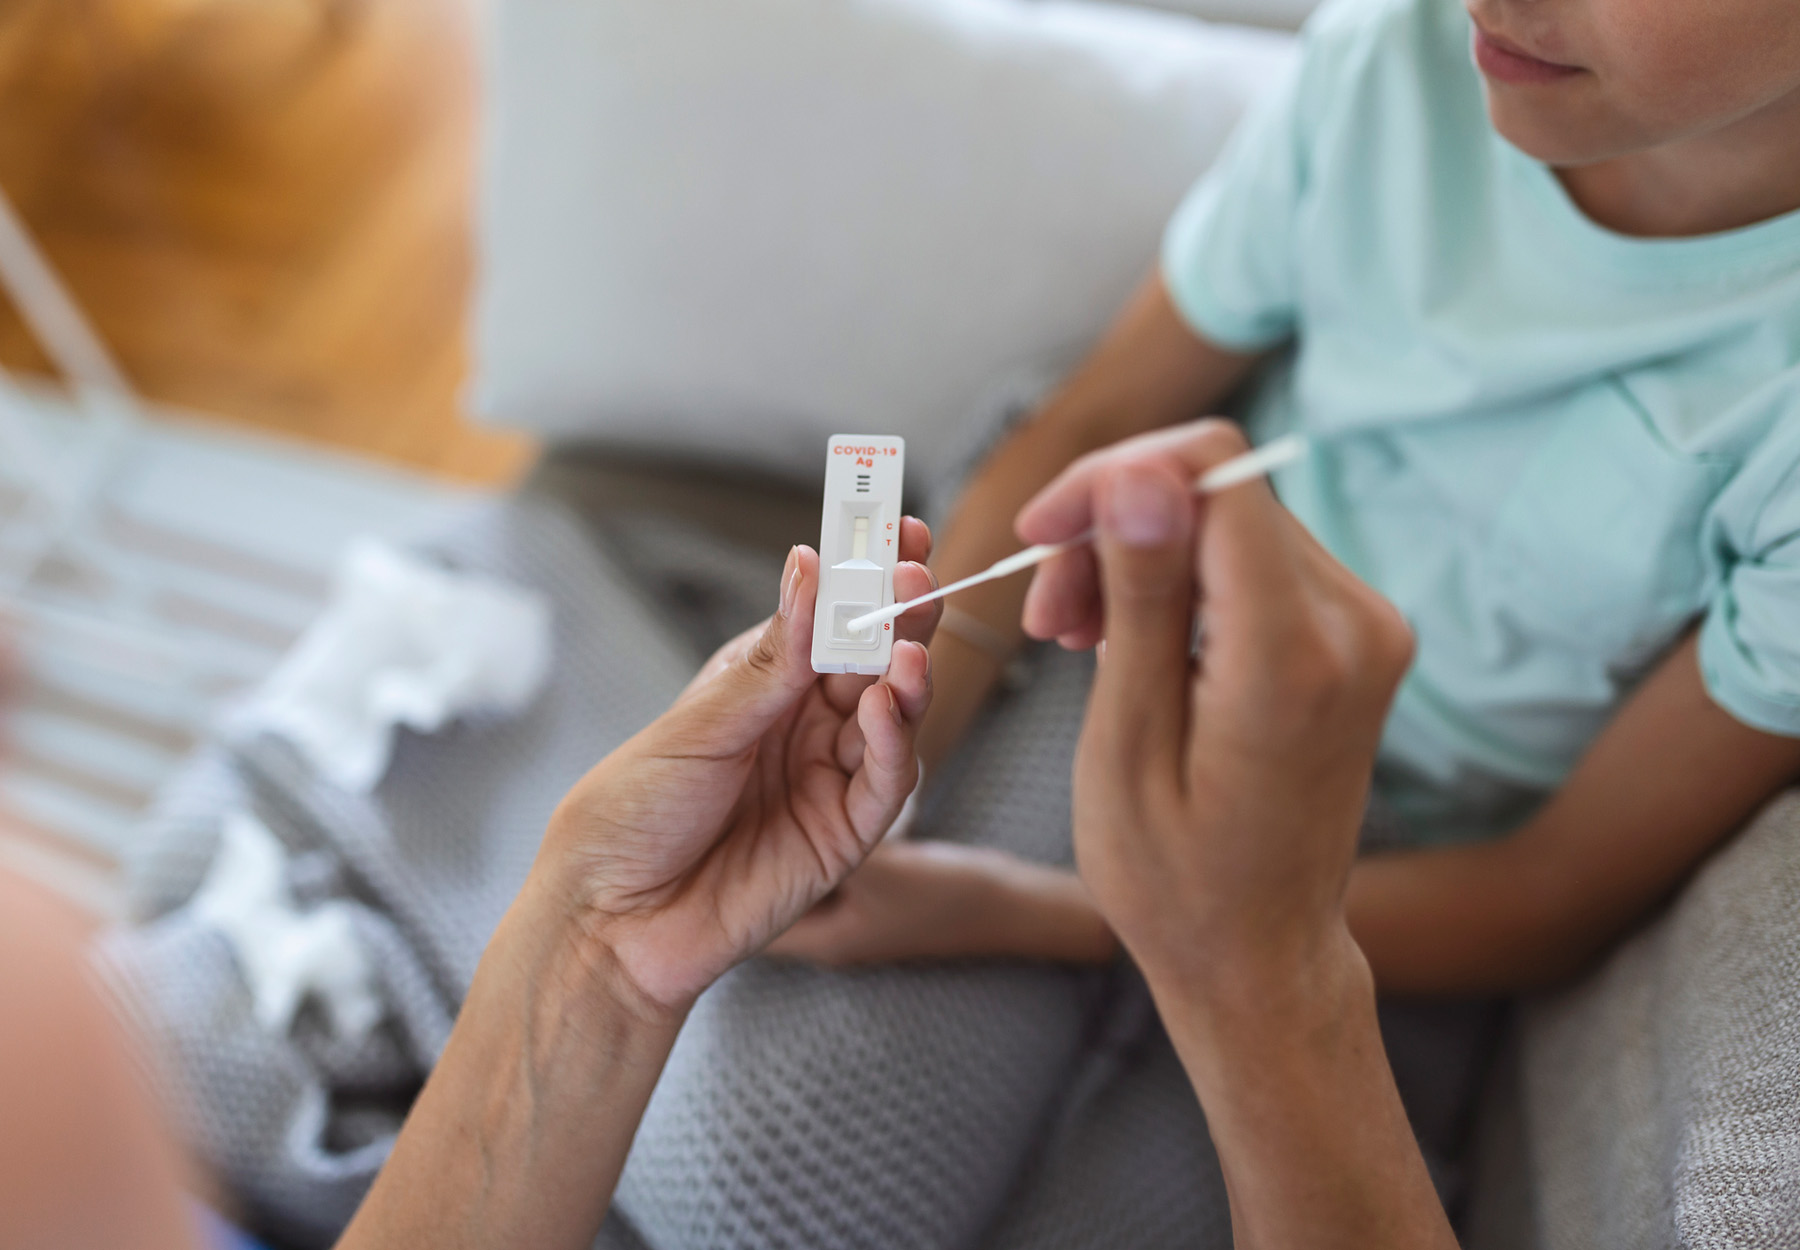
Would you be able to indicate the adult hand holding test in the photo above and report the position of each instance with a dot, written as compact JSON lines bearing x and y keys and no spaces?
{"x":683,"y":852}
{"x":1254,"y":464}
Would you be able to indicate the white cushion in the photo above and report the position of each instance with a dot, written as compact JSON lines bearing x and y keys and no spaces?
{"x":733,"y":227}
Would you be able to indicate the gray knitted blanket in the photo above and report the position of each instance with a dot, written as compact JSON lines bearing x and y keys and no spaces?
{"x":297,"y":1125}
{"x":952,"y":1105}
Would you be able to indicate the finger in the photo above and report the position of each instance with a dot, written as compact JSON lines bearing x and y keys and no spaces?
{"x":888,"y":715}
{"x":1064,"y":601}
{"x":1064,"y":598}
{"x":915,"y":540}
{"x":911,"y":579}
{"x":850,"y":745}
{"x":1065,"y":508}
{"x":1145,"y":518}
{"x":1255,"y":563}
{"x":1087,"y":638}
{"x":911,"y":680}
{"x":753,"y":685}
{"x":844,"y":690}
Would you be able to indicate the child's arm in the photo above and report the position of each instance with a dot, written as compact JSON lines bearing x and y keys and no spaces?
{"x":1150,"y":370}
{"x":1670,"y":777}
{"x":938,"y":900}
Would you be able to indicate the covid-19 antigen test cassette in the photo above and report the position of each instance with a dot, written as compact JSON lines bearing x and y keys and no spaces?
{"x":859,"y":545}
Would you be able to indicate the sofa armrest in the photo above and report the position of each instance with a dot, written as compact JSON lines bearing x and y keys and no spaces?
{"x":1658,"y":1099}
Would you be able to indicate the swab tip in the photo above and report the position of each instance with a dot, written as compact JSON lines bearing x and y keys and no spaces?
{"x":857,"y":624}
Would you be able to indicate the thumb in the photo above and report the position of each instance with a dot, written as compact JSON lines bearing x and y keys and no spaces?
{"x":760,"y":679}
{"x":1145,"y":515}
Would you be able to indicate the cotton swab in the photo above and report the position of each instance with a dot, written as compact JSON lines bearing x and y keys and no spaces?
{"x":1234,"y":472}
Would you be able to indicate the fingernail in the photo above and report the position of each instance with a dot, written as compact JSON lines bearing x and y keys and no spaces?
{"x":1139,"y":508}
{"x":894,"y":708}
{"x":790,"y":582}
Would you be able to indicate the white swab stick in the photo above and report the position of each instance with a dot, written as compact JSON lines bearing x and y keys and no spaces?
{"x":1234,"y":472}
{"x":1258,"y":462}
{"x":1003,"y":568}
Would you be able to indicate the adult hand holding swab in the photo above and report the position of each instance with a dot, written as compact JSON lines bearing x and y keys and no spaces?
{"x":1239,"y":469}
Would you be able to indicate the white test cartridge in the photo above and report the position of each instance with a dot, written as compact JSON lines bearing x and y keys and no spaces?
{"x":859,"y":545}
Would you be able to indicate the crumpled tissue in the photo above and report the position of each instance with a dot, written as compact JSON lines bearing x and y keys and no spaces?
{"x":402,"y":642}
{"x":287,"y":955}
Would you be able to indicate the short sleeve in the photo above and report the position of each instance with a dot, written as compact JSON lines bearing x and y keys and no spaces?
{"x":1750,"y":640}
{"x":1228,"y":254}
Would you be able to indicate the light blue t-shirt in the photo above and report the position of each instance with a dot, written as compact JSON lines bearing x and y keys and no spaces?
{"x":1553,"y":447}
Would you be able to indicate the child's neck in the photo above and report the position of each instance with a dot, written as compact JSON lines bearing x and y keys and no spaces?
{"x":1745,"y":172}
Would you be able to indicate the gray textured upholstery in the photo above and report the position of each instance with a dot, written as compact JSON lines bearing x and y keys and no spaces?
{"x":1656,"y":1103}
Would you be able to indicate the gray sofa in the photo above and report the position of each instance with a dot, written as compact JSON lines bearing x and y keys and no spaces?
{"x":1656,"y":1101}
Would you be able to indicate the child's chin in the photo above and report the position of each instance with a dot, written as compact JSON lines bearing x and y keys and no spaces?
{"x":1556,"y":136}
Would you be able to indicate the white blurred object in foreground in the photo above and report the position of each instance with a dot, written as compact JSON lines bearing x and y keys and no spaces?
{"x":402,"y":642}
{"x":286,"y":955}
